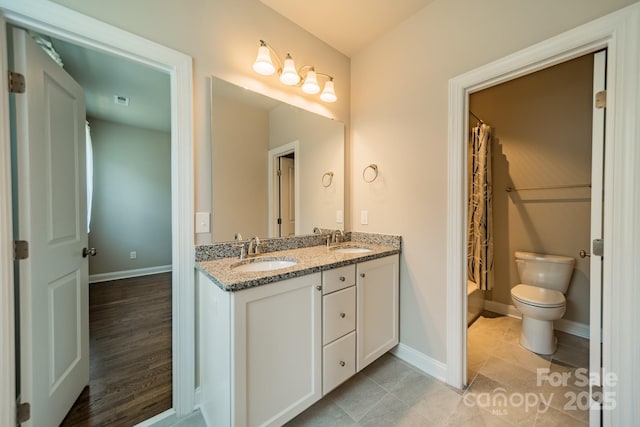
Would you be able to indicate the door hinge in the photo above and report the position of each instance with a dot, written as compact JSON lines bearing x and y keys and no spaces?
{"x":16,"y":82}
{"x":23,"y":413}
{"x":279,"y":221}
{"x":601,"y":99}
{"x":20,"y":250}
{"x":597,"y":247}
{"x":596,"y":393}
{"x":279,"y":172}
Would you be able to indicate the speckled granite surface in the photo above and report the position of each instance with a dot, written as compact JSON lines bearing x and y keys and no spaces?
{"x":310,"y":260}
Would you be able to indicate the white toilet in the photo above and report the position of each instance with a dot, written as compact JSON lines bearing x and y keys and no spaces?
{"x":544,"y":279}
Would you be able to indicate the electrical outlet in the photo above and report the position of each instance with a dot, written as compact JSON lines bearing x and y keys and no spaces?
{"x":133,"y":255}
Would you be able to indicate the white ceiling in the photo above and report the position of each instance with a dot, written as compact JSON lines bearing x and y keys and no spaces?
{"x":347,"y":25}
{"x":104,"y":76}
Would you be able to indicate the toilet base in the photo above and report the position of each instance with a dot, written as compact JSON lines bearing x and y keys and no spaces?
{"x":537,"y":335}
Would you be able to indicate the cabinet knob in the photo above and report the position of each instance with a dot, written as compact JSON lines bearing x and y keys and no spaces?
{"x":343,"y":315}
{"x":342,"y":363}
{"x":319,"y":287}
{"x":362,"y":275}
{"x":342,"y":278}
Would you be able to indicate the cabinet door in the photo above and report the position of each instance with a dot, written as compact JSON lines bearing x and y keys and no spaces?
{"x":377,"y":308}
{"x":277,"y":350}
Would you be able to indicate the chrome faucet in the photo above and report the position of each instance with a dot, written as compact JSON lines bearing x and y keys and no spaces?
{"x":254,"y":246}
{"x":338,"y":236}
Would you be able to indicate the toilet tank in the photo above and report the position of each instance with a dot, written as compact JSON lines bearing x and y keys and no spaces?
{"x":546,"y":271}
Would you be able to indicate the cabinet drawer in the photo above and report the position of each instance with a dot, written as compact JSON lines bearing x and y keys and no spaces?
{"x":338,"y":314}
{"x":339,"y":362}
{"x":338,"y":278}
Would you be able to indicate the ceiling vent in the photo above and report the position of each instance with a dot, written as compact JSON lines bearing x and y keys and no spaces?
{"x":121,"y":100}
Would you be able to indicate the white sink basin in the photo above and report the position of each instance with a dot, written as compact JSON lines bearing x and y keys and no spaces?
{"x":263,"y":264}
{"x":352,"y":250}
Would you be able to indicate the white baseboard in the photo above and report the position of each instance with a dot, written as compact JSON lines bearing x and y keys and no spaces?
{"x":116,"y":275}
{"x":198,"y":397}
{"x":562,"y":325}
{"x":163,"y":419}
{"x":421,"y":361}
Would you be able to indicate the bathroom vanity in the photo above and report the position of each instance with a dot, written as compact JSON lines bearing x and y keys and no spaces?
{"x":274,"y":342}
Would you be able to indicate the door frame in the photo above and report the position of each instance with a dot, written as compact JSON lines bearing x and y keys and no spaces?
{"x":71,"y":26}
{"x":619,"y":33}
{"x":274,"y":153}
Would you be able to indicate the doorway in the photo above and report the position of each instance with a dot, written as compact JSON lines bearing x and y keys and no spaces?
{"x":284,"y":189}
{"x":55,"y":21}
{"x":597,"y":35}
{"x":541,"y":175}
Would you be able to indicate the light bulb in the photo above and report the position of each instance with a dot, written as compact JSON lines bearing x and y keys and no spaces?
{"x":289,"y":74}
{"x":328,"y":94}
{"x":310,"y":84}
{"x":263,"y":64}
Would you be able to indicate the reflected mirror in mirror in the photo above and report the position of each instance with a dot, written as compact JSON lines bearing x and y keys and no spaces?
{"x":277,"y":170}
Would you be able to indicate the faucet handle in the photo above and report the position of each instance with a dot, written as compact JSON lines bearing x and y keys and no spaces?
{"x":241,"y":247}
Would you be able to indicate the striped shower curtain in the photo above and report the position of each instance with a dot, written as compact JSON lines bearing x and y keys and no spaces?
{"x":480,"y":215}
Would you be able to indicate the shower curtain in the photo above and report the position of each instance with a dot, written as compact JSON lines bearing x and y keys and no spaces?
{"x":480,"y":215}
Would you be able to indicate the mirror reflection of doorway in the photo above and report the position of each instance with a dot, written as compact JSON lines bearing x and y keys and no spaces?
{"x":285,"y":195}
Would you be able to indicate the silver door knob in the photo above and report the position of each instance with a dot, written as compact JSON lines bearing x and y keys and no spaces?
{"x":86,"y":252}
{"x":584,"y":254}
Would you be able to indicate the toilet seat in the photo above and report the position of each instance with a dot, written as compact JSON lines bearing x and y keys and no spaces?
{"x":537,"y":297}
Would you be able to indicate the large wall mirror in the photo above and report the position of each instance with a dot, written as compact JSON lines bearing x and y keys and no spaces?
{"x":277,"y":170}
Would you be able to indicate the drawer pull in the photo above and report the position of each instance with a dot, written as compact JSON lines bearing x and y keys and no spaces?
{"x":319,"y":287}
{"x":362,"y":275}
{"x":342,"y":278}
{"x":343,"y":315}
{"x":342,"y":363}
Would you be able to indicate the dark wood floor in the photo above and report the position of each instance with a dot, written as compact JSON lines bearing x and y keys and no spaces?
{"x":130,"y":353}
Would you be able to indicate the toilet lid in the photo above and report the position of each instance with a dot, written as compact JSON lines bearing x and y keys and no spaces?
{"x":537,"y":296}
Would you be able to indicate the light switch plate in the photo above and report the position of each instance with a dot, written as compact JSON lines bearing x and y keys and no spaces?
{"x":339,"y":217}
{"x":202,"y":222}
{"x":364,"y":217}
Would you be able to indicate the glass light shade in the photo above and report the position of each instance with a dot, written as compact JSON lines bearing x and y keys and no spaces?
{"x":263,"y":64}
{"x":328,"y":94}
{"x":289,"y":74}
{"x":310,"y":84}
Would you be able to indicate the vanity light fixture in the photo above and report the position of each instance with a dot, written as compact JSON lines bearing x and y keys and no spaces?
{"x":306,"y":76}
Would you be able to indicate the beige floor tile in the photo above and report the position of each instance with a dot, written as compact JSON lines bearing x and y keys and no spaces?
{"x":358,"y":396}
{"x":473,"y":416}
{"x":392,"y":412}
{"x":572,"y":356}
{"x":554,"y":418}
{"x":323,"y":413}
{"x":522,"y":357}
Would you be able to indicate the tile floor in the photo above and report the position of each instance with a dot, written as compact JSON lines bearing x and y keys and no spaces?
{"x":503,"y":388}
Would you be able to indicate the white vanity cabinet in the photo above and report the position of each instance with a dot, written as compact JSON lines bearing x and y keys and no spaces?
{"x":260,"y":351}
{"x":269,"y":352}
{"x":377,"y":308}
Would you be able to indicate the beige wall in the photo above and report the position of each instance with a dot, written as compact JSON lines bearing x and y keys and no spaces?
{"x":402,"y":126}
{"x":541,"y":137}
{"x":240,"y":141}
{"x":222,"y":37}
{"x":321,"y":150}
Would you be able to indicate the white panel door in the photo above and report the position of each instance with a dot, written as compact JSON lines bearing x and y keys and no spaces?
{"x":597,"y":196}
{"x":51,"y":195}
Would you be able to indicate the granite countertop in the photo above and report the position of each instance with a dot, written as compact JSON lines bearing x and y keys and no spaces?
{"x":310,"y":260}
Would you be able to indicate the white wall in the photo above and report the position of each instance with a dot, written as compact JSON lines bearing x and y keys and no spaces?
{"x":131,"y":198}
{"x":222,"y":37}
{"x":541,"y":138}
{"x":402,"y":126}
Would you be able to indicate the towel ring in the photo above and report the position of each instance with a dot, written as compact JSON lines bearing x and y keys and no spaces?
{"x":327,"y":179}
{"x":373,"y":167}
